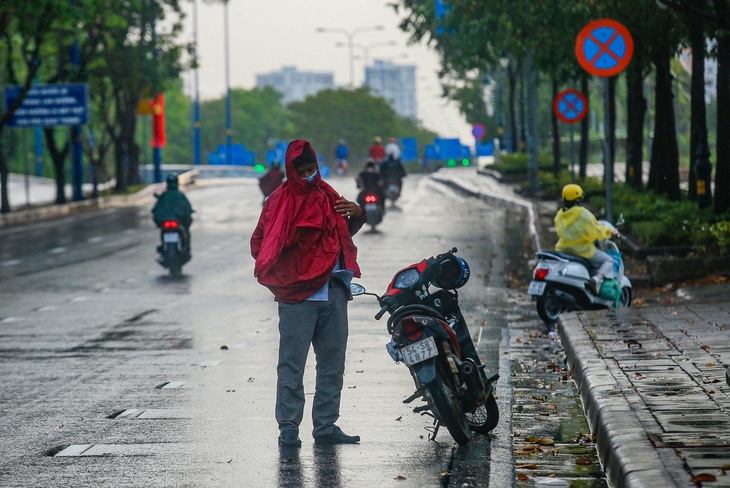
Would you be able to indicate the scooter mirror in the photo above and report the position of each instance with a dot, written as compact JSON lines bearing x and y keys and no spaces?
{"x":356,"y":289}
{"x":620,"y":220}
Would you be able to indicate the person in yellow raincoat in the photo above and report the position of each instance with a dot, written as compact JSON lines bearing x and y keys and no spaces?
{"x":577,"y":230}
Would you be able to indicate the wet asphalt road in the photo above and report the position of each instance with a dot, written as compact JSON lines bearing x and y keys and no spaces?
{"x":100,"y":349}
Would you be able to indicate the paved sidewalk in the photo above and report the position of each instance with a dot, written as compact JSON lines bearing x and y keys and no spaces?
{"x":652,"y":382}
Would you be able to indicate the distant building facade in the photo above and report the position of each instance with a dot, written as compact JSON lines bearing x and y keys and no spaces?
{"x":296,"y":85}
{"x":396,"y":83}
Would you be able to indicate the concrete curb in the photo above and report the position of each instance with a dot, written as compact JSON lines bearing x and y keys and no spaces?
{"x":620,"y":434}
{"x":52,"y":211}
{"x":499,"y":200}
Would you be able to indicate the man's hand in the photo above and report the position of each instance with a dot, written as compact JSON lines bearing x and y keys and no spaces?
{"x":347,"y":208}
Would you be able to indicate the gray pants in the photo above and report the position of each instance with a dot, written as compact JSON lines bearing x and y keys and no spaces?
{"x":324,"y":326}
{"x":603,"y":263}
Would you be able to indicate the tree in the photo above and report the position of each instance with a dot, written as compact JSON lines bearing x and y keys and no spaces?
{"x":257,"y":118}
{"x":354,"y":115}
{"x":24,"y":27}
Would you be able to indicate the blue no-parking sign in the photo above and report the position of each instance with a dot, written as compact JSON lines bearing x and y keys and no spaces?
{"x":604,"y":47}
{"x":570,"y":106}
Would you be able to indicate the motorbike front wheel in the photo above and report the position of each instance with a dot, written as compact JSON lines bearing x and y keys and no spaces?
{"x":485,"y":418}
{"x":448,"y":410}
{"x":549,"y":307}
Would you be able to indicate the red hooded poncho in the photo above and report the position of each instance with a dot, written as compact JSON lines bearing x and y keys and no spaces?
{"x":299,"y":236}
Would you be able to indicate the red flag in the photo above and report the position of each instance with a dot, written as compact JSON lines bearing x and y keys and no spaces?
{"x":158,"y":121}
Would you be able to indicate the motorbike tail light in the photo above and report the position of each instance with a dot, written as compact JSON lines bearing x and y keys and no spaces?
{"x":171,"y":224}
{"x":541,"y":273}
{"x":411,"y":329}
{"x":371,"y":199}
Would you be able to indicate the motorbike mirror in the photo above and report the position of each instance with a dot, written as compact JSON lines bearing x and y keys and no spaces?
{"x":621,"y":220}
{"x":356,"y":289}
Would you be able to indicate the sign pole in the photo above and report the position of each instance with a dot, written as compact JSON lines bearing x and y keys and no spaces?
{"x":572,"y":146}
{"x":608,"y":155}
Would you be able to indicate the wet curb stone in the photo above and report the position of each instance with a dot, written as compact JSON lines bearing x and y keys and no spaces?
{"x":653,"y":389}
{"x":628,"y":456}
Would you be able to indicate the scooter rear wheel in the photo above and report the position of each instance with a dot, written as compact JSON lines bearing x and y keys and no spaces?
{"x":448,"y":410}
{"x":549,"y":306}
{"x":172,"y":261}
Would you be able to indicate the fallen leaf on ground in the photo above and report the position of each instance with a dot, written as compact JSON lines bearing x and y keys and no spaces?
{"x":703,"y":477}
{"x":527,"y":466}
{"x":546,"y":441}
{"x":522,"y":477}
{"x":399,"y":477}
{"x":224,"y":347}
{"x":583,"y":461}
{"x":399,"y":418}
{"x":705,"y":347}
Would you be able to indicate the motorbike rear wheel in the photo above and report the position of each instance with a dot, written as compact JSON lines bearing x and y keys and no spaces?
{"x":485,"y":418}
{"x":549,"y":306}
{"x":625,"y":299}
{"x":172,"y":261}
{"x":448,"y":410}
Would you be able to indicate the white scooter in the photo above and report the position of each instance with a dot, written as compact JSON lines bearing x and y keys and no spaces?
{"x":560,"y":282}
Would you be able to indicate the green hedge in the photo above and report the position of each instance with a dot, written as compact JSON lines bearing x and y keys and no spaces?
{"x":650,"y":219}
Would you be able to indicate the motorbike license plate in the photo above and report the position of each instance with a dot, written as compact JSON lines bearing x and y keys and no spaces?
{"x":371,"y":207}
{"x":171,"y":237}
{"x":536,"y":288}
{"x":419,"y":352}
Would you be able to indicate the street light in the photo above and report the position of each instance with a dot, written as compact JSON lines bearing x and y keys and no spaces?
{"x":196,"y":96}
{"x":350,"y":36}
{"x":229,"y":131}
{"x":366,"y":49}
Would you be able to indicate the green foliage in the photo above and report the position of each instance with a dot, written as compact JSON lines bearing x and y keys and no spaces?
{"x":713,"y":239}
{"x":516,"y":164}
{"x":257,"y":117}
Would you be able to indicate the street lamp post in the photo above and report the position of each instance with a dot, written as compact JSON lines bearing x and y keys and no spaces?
{"x":350,"y":44}
{"x":366,"y":49}
{"x":229,"y":131}
{"x":196,"y":95}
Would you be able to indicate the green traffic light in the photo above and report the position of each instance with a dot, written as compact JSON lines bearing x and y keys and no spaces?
{"x":451,"y":163}
{"x":465,"y":162}
{"x":259,"y":168}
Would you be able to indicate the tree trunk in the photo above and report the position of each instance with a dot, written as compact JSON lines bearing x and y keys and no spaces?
{"x":512,"y":76}
{"x":58,"y":156}
{"x":523,"y":100}
{"x":698,"y":117}
{"x":584,"y":132}
{"x":635,"y":110}
{"x":664,"y":165}
{"x":556,"y":134}
{"x":722,"y":171}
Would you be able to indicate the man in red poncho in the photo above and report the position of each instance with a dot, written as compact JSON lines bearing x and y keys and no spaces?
{"x":304,"y":254}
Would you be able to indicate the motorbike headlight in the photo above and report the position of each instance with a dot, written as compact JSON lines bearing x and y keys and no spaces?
{"x":406,"y":279}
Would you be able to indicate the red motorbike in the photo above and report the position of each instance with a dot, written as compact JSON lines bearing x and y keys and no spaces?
{"x":424,"y":325}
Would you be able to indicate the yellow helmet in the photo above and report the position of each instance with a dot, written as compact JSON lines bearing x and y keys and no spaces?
{"x":377,"y":140}
{"x":572,"y":192}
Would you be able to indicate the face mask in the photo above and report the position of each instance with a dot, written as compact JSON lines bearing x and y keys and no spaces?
{"x":311,"y":178}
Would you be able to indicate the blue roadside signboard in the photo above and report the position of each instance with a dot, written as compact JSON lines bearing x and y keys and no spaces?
{"x":49,"y":105}
{"x":409,"y":150}
{"x":478,"y":131}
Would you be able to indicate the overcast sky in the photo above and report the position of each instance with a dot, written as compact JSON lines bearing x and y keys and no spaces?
{"x":266,"y":35}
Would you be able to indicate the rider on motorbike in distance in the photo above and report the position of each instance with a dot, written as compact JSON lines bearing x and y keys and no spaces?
{"x":577,"y":230}
{"x":393,"y":170}
{"x":172,"y":204}
{"x":370,"y":181}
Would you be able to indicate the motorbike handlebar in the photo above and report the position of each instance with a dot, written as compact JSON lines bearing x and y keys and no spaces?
{"x":382,"y":311}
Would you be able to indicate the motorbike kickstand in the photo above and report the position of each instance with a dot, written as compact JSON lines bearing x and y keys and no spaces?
{"x":433,"y":430}
{"x":417,"y":394}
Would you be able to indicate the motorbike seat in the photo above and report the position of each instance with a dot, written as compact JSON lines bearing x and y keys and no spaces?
{"x":563,"y":256}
